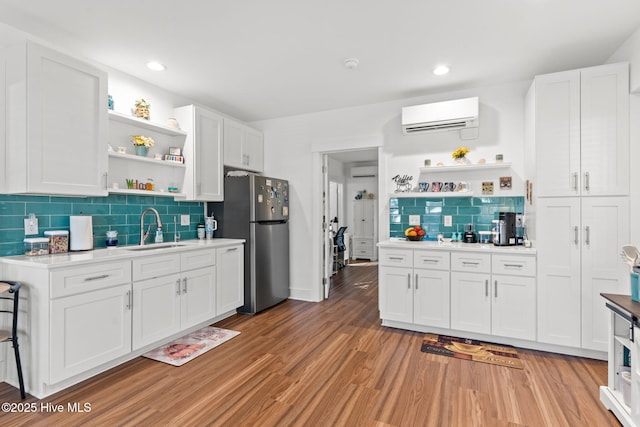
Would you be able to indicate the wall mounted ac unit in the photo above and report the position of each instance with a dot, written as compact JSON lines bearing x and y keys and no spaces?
{"x":439,"y":116}
{"x":364,"y":172}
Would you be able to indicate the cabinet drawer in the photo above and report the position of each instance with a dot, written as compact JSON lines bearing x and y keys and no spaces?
{"x":435,"y":260}
{"x":480,"y":263}
{"x":156,"y":266}
{"x":362,"y":253}
{"x":197,"y":259}
{"x":76,"y":280}
{"x":396,"y":257}
{"x":516,"y":265}
{"x":362,"y":243}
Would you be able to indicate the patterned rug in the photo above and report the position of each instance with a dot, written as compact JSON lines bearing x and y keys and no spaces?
{"x":478,"y":351}
{"x":184,"y":349}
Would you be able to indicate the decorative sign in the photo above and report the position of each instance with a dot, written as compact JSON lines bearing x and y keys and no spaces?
{"x":505,"y":183}
{"x":487,"y":187}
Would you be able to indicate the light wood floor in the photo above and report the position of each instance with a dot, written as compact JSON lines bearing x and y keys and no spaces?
{"x":332,"y":364}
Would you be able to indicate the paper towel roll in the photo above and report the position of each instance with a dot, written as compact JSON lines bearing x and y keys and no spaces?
{"x":80,"y":233}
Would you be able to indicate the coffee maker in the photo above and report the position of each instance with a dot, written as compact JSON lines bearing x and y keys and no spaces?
{"x":505,"y":230}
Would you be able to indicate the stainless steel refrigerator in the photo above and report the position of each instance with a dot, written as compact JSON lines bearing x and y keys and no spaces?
{"x":256,"y":208}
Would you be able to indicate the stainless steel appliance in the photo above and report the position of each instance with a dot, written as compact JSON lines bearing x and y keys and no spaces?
{"x":469,"y":234}
{"x":505,"y":231}
{"x":256,"y":208}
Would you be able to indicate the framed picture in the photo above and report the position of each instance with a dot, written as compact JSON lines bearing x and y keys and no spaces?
{"x":487,"y":187}
{"x":175,"y":151}
{"x":505,"y":183}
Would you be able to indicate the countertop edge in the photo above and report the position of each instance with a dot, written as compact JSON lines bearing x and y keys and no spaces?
{"x":456,"y":246}
{"x":67,"y":259}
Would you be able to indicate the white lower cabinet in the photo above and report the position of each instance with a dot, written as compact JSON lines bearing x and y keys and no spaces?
{"x":229,"y":278}
{"x":414,"y":286}
{"x":477,"y":292}
{"x":88,"y":330}
{"x":198,"y":296}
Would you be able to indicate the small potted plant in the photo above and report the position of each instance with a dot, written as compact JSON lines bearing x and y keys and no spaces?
{"x":142,"y":143}
{"x":459,"y":155}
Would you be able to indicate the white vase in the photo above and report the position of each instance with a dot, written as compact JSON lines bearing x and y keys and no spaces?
{"x":462,"y":161}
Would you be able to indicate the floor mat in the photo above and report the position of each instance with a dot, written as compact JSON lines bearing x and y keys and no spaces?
{"x":184,"y":349}
{"x":478,"y":351}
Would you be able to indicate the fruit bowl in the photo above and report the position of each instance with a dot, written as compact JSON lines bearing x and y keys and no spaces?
{"x":414,"y":238}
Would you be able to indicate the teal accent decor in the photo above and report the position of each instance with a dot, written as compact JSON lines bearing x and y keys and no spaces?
{"x":479,"y":211}
{"x":120,"y":212}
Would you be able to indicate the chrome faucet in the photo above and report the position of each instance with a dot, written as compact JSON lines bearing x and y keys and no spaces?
{"x":143,"y":235}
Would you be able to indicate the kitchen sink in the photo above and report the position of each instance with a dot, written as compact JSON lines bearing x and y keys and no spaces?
{"x":155,"y":246}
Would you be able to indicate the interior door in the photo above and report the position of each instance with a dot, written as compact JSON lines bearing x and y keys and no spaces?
{"x":327,"y":246}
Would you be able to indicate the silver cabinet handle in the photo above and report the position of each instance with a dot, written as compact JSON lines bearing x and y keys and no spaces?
{"x":184,"y":285}
{"x":102,"y":276}
{"x":486,"y":288}
{"x":178,"y":287}
{"x":128,"y":306}
{"x":430,"y":260}
{"x":409,"y":281}
{"x":575,"y":235}
{"x":232,"y":249}
{"x":470,"y":263}
{"x":586,"y":181}
{"x":495,"y":289}
{"x":575,"y":181}
{"x":416,"y":281}
{"x":587,"y":232}
{"x":396,"y":258}
{"x":513,"y":265}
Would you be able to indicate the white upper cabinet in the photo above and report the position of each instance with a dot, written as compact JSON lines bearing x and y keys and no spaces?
{"x":243,"y":146}
{"x":56,"y":136}
{"x":581,"y":131}
{"x":203,"y":153}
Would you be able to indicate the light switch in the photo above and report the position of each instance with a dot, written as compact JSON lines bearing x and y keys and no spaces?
{"x":414,"y":219}
{"x":184,"y":219}
{"x":448,"y":220}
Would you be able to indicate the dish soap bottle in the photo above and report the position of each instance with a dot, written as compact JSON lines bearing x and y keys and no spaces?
{"x":159,"y":236}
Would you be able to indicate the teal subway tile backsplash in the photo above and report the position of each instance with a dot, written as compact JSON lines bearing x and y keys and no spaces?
{"x":479,"y":211}
{"x":119,"y":212}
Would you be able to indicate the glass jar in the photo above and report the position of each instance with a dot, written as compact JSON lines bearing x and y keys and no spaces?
{"x":36,"y":246}
{"x":58,"y":241}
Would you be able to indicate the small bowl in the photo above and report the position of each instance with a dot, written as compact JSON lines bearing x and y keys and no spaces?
{"x":414,"y":238}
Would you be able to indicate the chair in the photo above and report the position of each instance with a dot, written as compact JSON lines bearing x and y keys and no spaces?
{"x":338,"y":241}
{"x":13,"y":288}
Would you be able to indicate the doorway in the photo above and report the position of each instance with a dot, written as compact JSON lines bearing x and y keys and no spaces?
{"x":341,"y":187}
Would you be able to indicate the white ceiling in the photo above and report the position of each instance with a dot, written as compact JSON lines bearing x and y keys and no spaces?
{"x":264,"y":59}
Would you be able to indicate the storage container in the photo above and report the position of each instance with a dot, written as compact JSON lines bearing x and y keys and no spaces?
{"x":36,"y":246}
{"x":635,"y":290}
{"x":58,"y":241}
{"x":625,"y":386}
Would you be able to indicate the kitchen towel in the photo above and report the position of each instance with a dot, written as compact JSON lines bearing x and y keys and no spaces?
{"x":80,"y":233}
{"x":478,"y":351}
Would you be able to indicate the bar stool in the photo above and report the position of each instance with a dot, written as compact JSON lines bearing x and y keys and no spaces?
{"x":6,"y":288}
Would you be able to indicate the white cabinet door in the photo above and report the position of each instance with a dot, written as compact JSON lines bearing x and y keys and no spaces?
{"x":229,"y":278}
{"x":557,"y":133}
{"x":470,"y":302}
{"x":558,"y":243}
{"x":431,"y":298}
{"x":88,"y":330}
{"x":605,"y":228}
{"x":156,"y":309}
{"x":513,"y":313}
{"x":198,"y":299}
{"x":604,"y":110}
{"x":635,"y":376}
{"x":57,"y":108}
{"x":396,"y":293}
{"x":203,"y":153}
{"x":243,"y":146}
{"x":254,"y":149}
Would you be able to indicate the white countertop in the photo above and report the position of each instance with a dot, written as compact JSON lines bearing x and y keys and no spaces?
{"x":398,"y":243}
{"x":115,"y":253}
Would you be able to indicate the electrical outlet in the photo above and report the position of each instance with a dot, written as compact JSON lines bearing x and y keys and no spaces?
{"x":184,"y":220}
{"x":30,"y":226}
{"x":414,"y":219}
{"x":448,"y":220}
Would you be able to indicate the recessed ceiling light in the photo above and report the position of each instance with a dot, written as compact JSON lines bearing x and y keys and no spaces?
{"x":441,"y":70}
{"x":156,"y":66}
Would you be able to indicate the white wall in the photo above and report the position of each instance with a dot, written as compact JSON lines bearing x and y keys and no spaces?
{"x":293,"y":144}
